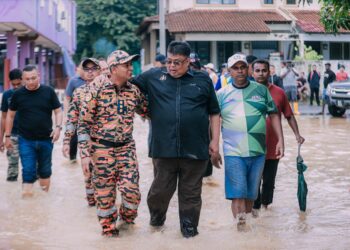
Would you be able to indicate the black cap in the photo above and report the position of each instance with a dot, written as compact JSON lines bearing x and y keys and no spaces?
{"x":160,"y":58}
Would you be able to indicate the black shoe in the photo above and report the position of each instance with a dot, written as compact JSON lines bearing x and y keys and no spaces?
{"x":13,"y":178}
{"x":189,"y":232}
{"x":111,"y":234}
{"x":187,"y":228}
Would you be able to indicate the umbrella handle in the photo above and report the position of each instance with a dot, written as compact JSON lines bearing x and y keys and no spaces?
{"x":299,"y":147}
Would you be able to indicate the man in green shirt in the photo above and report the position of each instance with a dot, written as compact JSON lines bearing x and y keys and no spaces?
{"x":244,"y":106}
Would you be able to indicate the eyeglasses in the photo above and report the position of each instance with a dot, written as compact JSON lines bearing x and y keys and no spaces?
{"x":175,"y":62}
{"x":236,"y":68}
{"x":92,"y":69}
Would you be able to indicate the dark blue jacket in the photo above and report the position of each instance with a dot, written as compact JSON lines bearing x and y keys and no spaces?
{"x":314,"y":79}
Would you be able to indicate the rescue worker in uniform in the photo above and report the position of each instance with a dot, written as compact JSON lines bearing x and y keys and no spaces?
{"x":105,"y":138}
{"x":91,"y":70}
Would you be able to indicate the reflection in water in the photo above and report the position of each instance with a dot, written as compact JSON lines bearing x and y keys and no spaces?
{"x":62,"y":220}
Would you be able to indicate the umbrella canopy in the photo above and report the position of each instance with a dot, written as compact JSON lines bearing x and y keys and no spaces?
{"x":302,"y":186}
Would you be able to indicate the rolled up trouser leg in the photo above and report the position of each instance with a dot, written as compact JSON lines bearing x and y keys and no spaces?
{"x":13,"y":158}
{"x":104,"y":182}
{"x":128,"y":182}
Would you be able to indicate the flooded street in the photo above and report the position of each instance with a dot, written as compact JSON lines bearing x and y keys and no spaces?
{"x":61,"y":219}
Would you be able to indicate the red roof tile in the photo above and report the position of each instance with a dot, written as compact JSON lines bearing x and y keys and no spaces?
{"x":222,"y":21}
{"x":309,"y":21}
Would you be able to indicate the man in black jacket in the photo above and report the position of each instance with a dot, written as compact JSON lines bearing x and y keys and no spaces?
{"x":329,"y":77}
{"x":314,"y":82}
{"x":181,"y":103}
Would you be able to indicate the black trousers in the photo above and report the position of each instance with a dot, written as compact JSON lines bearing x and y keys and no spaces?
{"x":315,"y":92}
{"x":73,"y":147}
{"x":265,"y":195}
{"x":188,"y":175}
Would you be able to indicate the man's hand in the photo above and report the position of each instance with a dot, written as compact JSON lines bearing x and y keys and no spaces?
{"x":2,"y":146}
{"x":65,"y":150}
{"x":300,"y":139}
{"x":55,"y":134}
{"x":279,"y":150}
{"x":85,"y":166}
{"x":215,"y":156}
{"x":8,"y":144}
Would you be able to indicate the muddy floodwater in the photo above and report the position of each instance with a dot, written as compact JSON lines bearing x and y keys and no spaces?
{"x":62,"y":220}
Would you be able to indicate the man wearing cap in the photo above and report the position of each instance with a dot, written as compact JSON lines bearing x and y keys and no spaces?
{"x":244,"y":106}
{"x":210,"y":68}
{"x":91,"y":70}
{"x":159,"y":61}
{"x":75,"y":82}
{"x":181,"y":103}
{"x":105,"y":138}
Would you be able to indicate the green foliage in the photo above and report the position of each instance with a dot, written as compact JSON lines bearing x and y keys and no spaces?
{"x":334,"y":14}
{"x":309,"y":55}
{"x":112,"y":20}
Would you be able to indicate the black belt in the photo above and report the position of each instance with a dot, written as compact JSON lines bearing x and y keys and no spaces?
{"x":110,"y":143}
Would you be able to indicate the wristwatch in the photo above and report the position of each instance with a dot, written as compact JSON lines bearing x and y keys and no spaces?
{"x":59,"y":126}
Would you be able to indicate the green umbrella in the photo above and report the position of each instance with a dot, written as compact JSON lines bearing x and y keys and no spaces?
{"x":302,"y":186}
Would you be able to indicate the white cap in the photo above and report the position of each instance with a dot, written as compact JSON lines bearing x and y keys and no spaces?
{"x":235,"y":59}
{"x":210,"y":66}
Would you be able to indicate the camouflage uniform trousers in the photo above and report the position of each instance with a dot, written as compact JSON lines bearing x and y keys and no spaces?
{"x":89,"y":188}
{"x":115,"y":168}
{"x":13,"y":159}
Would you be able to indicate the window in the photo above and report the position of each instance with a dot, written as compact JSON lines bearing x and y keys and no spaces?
{"x":268,"y":1}
{"x":216,"y":1}
{"x":202,"y":49}
{"x":339,"y":51}
{"x":291,"y":2}
{"x":225,"y":50}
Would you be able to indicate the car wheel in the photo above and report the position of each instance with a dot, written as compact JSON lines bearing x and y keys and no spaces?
{"x":335,"y":111}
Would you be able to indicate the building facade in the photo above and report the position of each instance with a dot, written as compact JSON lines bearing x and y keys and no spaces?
{"x":216,"y":29}
{"x":40,"y":32}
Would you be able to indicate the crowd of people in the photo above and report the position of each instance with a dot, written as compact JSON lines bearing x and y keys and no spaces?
{"x":297,"y":86}
{"x":188,"y":106}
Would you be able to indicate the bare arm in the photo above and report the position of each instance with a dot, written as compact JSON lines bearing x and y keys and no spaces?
{"x":215,"y":137}
{"x":294,"y":126}
{"x":8,"y":127}
{"x":58,"y":122}
{"x":2,"y":130}
{"x":277,"y":127}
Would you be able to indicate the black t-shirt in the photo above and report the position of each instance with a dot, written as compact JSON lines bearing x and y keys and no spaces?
{"x":34,"y":109}
{"x":5,"y":103}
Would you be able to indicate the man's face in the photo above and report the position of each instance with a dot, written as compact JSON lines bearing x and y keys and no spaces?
{"x":272,"y":70}
{"x":239,"y":72}
{"x":123,"y":71}
{"x":327,"y":66}
{"x":261,"y":73}
{"x":31,"y":79}
{"x":314,"y":68}
{"x":90,"y":71}
{"x":177,"y":65}
{"x":16,"y":83}
{"x":341,"y":69}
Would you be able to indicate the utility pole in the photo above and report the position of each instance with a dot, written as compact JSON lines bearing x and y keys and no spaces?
{"x":161,"y":14}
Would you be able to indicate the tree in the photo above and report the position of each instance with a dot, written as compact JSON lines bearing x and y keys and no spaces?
{"x":334,"y":14}
{"x":113,"y":21}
